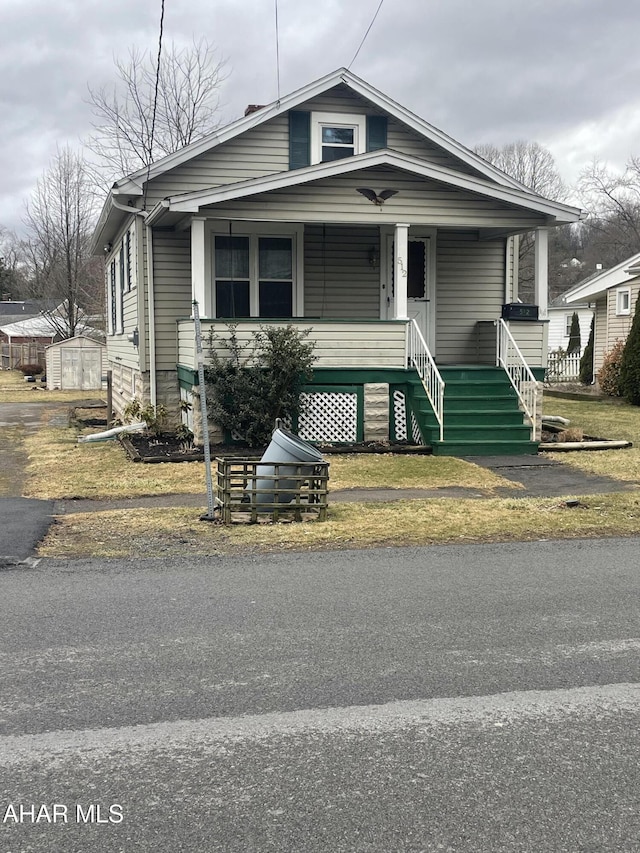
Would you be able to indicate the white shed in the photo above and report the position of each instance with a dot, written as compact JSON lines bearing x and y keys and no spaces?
{"x":76,"y":364}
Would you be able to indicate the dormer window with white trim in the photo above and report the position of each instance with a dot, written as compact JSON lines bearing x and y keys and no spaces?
{"x":623,"y":301}
{"x":335,"y":136}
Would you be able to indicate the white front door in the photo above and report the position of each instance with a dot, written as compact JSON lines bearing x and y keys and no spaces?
{"x":419,"y":283}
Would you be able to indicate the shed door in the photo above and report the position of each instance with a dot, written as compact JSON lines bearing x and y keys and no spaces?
{"x":70,"y":369}
{"x":80,"y":369}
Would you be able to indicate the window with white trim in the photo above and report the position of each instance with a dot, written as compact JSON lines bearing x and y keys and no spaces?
{"x":253,"y":275}
{"x":623,"y":300}
{"x":337,"y":135}
{"x":567,"y":324}
{"x":121,"y":278}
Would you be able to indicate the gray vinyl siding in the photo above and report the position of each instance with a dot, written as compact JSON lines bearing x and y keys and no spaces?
{"x":172,"y":288}
{"x":618,"y":325}
{"x":419,"y":201}
{"x":264,"y":150}
{"x":600,"y":345}
{"x":612,"y":327}
{"x":470,"y":288}
{"x":400,"y":137}
{"x":355,"y":345}
{"x":532,"y":340}
{"x":119,"y":349}
{"x":339,"y":280}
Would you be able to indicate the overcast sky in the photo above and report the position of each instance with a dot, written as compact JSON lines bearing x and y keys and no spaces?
{"x":565,"y":73}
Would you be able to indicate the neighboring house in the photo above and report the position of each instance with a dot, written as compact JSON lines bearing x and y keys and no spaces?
{"x":560,"y":316}
{"x":12,"y":311}
{"x":614,"y":293}
{"x":337,"y":210}
{"x":24,"y":341}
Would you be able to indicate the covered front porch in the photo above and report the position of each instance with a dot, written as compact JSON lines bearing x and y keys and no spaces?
{"x":377,"y":381}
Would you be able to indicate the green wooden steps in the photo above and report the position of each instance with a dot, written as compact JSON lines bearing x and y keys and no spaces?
{"x":481,"y":414}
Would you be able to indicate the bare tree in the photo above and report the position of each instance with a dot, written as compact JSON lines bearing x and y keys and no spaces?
{"x":532,"y":165}
{"x":12,"y":273}
{"x":59,"y":221}
{"x":125,"y":138}
{"x":613,"y":202}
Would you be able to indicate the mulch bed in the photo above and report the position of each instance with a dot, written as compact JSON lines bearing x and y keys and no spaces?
{"x":167,"y":448}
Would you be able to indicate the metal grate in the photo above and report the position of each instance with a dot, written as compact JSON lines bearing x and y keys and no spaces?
{"x":329,"y":416}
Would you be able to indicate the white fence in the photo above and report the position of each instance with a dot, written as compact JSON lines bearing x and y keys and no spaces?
{"x":563,"y":367}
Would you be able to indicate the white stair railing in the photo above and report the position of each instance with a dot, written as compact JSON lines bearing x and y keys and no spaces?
{"x":418,"y":356}
{"x":524,"y":382}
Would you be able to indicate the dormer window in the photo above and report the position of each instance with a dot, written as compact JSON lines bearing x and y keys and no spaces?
{"x":335,"y":136}
{"x":325,"y":137}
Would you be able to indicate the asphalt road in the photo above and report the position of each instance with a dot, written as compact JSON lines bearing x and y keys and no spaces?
{"x":476,"y":698}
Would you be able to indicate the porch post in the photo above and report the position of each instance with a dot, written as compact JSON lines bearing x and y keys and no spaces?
{"x":541,"y":272}
{"x":401,"y":266}
{"x":198,"y":289}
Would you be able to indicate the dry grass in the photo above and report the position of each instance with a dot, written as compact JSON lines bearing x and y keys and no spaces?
{"x":165,"y":532}
{"x":602,"y":419}
{"x":410,"y":472}
{"x":59,"y":467}
{"x":14,"y":389}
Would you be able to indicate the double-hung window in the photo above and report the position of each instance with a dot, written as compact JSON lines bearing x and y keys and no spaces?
{"x":253,"y":276}
{"x":568,"y":318}
{"x":335,"y":136}
{"x":623,"y":300}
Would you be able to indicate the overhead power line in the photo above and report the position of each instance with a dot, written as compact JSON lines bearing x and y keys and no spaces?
{"x":364,"y":38}
{"x":155,"y":101}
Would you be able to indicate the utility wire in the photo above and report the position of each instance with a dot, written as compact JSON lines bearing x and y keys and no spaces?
{"x":373,"y":20}
{"x":155,"y":103}
{"x":277,"y":55}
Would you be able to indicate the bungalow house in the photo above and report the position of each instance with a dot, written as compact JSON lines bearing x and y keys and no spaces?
{"x":337,"y":210}
{"x":614,"y":293}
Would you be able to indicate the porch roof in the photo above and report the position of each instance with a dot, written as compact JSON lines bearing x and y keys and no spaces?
{"x":192,"y":202}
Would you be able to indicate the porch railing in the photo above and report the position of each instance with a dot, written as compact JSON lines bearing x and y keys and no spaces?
{"x":510,"y":358}
{"x":418,"y":356}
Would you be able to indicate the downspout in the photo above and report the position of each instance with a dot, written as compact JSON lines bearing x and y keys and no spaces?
{"x":152,"y":319}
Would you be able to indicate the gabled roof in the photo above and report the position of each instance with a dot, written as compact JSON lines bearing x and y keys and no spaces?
{"x":132,"y":184}
{"x":560,"y":303}
{"x":43,"y":325}
{"x":22,"y":308}
{"x":603,"y":281}
{"x":33,"y":327}
{"x":191,"y":202}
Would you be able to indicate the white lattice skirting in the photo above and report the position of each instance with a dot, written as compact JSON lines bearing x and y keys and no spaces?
{"x":400,"y":416}
{"x":402,"y":423}
{"x":329,"y":416}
